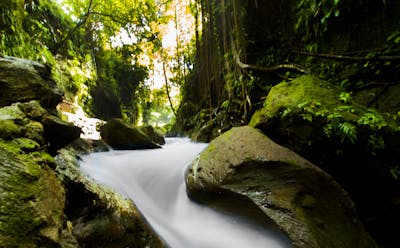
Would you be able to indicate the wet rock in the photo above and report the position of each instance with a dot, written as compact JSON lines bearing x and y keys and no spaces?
{"x":24,"y":80}
{"x":86,"y":146}
{"x":120,"y":136}
{"x":98,"y":216}
{"x":304,"y":201}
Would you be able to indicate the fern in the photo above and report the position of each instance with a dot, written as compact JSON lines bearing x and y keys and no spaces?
{"x":348,"y":130}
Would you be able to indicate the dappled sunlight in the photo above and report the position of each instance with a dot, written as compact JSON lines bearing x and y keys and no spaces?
{"x":75,"y":114}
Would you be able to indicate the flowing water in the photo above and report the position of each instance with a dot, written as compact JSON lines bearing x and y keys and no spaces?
{"x":154,"y":179}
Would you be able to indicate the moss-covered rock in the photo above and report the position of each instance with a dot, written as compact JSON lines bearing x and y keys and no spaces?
{"x":15,"y":124}
{"x":98,"y":216}
{"x":24,"y":80}
{"x":31,"y":196}
{"x":353,"y":143}
{"x":305,"y":202}
{"x":307,"y":111}
{"x":32,"y":121}
{"x":154,"y":134}
{"x":119,"y":135}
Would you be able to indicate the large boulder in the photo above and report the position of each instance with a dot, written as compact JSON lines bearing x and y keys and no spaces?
{"x":98,"y":216}
{"x":306,"y":203}
{"x":24,"y":80}
{"x":32,"y":198}
{"x":120,"y":136}
{"x":358,"y":146}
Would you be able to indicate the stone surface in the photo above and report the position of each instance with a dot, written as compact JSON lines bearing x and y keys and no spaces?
{"x":303,"y":200}
{"x":354,"y":144}
{"x":120,"y":136}
{"x":154,"y":134}
{"x":30,"y":120}
{"x":97,"y":216}
{"x":24,"y":80}
{"x":59,"y":133}
{"x":32,"y":198}
{"x":86,"y":146}
{"x":15,"y":124}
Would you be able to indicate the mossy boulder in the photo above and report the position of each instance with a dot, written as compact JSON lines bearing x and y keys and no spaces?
{"x":154,"y":134}
{"x":309,"y":114}
{"x":32,"y":198}
{"x":15,"y":124}
{"x":304,"y":201}
{"x":24,"y":80}
{"x":31,"y":120}
{"x":98,"y":216}
{"x":121,"y":136}
{"x":355,"y":144}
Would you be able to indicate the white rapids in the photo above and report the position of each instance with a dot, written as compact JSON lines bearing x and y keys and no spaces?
{"x":154,"y":180}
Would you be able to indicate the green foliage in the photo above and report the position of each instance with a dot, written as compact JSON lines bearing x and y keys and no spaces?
{"x":395,"y":171}
{"x":394,"y":38}
{"x":312,"y":19}
{"x":343,"y":121}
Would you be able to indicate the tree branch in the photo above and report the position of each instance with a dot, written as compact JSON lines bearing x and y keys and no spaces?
{"x":82,"y":21}
{"x":350,"y":58}
{"x":289,"y":66}
{"x":112,"y":17}
{"x":167,"y":88}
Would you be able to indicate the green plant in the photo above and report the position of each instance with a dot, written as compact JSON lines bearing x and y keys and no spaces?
{"x":395,"y":171}
{"x":312,"y":19}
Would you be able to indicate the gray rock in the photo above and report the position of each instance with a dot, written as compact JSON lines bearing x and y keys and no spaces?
{"x":305,"y":202}
{"x":354,"y":144}
{"x":24,"y":80}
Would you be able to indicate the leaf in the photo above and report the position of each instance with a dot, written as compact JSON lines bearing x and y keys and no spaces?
{"x":348,"y":131}
{"x":337,"y":13}
{"x":307,"y":117}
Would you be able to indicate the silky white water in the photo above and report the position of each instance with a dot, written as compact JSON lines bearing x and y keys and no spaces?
{"x":154,"y":179}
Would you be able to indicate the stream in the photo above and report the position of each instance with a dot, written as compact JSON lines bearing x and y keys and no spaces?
{"x":154,"y":179}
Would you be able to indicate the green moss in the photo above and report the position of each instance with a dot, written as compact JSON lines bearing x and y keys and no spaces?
{"x":309,"y":108}
{"x":26,"y":144}
{"x":34,"y":130}
{"x":256,"y":118}
{"x":26,"y":205}
{"x":8,"y":129}
{"x":11,"y":113}
{"x":305,"y":89}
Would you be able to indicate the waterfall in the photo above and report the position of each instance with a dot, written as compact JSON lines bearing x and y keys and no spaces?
{"x":154,"y":180}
